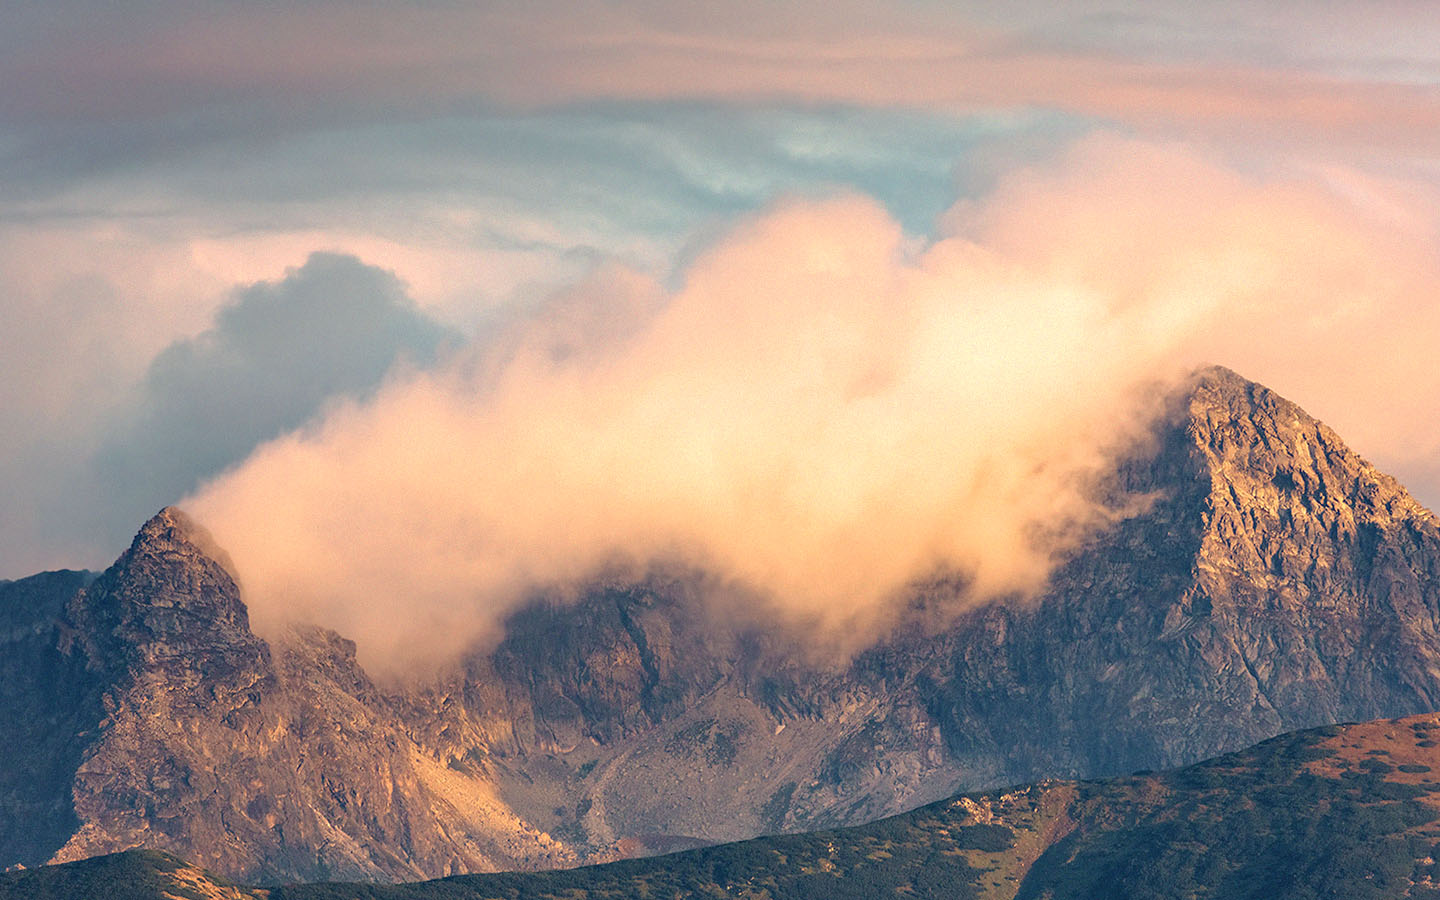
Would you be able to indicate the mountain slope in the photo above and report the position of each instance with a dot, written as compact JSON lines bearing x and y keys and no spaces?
{"x":185,"y":731}
{"x":1343,"y":811}
{"x":45,"y":703}
{"x":1276,"y":581}
{"x":1273,"y":581}
{"x":1351,"y":811}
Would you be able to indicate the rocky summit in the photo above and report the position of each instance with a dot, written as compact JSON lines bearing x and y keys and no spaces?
{"x":1273,"y":580}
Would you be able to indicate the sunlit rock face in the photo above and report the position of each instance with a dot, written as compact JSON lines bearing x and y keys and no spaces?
{"x":1271,"y":580}
{"x":1279,"y":581}
{"x":179,"y":728}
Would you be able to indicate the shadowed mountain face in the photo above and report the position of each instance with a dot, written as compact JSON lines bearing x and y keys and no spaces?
{"x":1275,"y":581}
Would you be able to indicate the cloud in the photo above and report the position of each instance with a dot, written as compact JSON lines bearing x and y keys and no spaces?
{"x":274,"y":357}
{"x":1319,"y":282}
{"x":1303,"y":73}
{"x":85,"y":307}
{"x":481,"y":218}
{"x":823,"y":409}
{"x":811,"y":414}
{"x":499,"y":151}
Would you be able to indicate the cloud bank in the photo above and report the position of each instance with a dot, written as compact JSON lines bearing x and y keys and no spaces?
{"x":1320,"y":73}
{"x":479,"y":219}
{"x":276,"y":354}
{"x":100,"y":439}
{"x":823,"y":409}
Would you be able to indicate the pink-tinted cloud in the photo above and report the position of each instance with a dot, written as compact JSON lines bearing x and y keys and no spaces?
{"x":300,"y":60}
{"x":823,"y":410}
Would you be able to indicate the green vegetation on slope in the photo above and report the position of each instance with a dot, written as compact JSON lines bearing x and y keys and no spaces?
{"x":1258,"y":824}
{"x":920,"y":854}
{"x":136,"y":875}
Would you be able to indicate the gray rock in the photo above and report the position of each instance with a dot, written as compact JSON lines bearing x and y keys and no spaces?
{"x":1274,"y":581}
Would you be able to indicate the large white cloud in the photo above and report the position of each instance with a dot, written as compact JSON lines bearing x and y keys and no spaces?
{"x":824,"y":408}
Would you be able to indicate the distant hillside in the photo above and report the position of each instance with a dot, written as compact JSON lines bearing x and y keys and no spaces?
{"x":1345,"y":811}
{"x":133,"y":875}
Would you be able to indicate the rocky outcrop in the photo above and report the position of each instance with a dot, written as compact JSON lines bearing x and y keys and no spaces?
{"x":1272,"y":581}
{"x":1278,"y":582}
{"x":191,"y":734}
{"x":47,"y":700}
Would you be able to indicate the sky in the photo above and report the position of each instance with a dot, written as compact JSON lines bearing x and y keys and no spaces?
{"x":422,"y":304}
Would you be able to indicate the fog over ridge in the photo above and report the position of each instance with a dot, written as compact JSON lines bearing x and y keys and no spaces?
{"x":822,"y":409}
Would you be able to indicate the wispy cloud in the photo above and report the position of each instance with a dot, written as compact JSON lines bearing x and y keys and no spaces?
{"x":1305,"y":70}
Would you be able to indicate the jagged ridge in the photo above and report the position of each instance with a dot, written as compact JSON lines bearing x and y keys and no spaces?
{"x":1276,"y":581}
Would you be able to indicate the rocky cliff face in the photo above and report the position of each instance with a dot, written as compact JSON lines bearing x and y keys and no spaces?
{"x":183,"y":729}
{"x":46,"y":701}
{"x":1279,"y":582}
{"x":1274,"y":581}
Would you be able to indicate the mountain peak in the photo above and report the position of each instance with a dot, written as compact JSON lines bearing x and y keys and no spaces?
{"x":171,"y":531}
{"x":1222,"y":395}
{"x":1264,"y":450}
{"x":171,"y":596}
{"x":1220,"y":377}
{"x":169,"y":519}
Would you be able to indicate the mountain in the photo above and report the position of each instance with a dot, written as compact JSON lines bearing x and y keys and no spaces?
{"x":1273,"y":581}
{"x":1343,"y":811}
{"x":161,"y":720}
